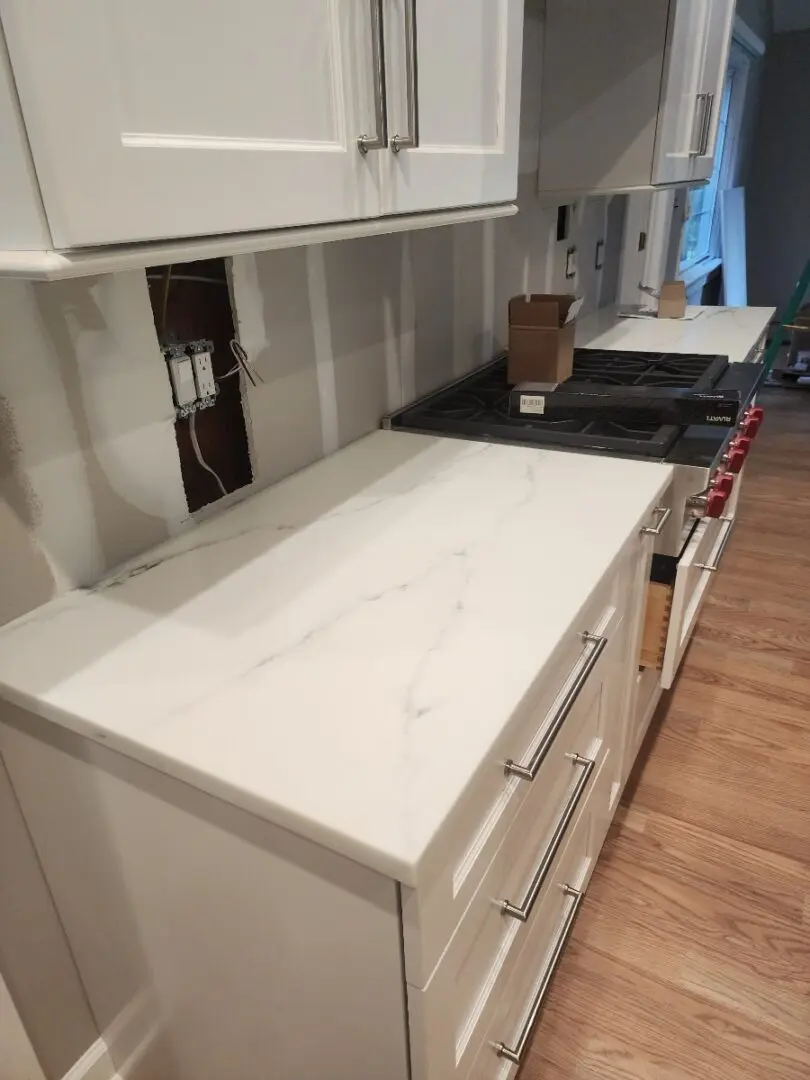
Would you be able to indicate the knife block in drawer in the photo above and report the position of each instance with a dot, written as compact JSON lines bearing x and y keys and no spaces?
{"x":656,"y":625}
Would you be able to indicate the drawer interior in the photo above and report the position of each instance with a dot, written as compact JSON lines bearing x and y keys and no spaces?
{"x":656,"y":624}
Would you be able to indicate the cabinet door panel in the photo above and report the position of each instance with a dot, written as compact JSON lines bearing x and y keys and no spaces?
{"x":467,"y":72}
{"x":680,"y":116}
{"x":713,"y":78}
{"x":166,"y":119}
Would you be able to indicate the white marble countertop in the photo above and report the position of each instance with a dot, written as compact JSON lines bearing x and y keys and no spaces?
{"x":322,"y":654}
{"x":731,"y":332}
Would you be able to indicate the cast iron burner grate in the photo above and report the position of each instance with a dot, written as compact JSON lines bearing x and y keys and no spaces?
{"x":477,"y":406}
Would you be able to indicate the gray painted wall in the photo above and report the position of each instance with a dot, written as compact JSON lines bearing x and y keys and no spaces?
{"x":790,"y":15}
{"x":758,"y":15}
{"x":778,"y":191}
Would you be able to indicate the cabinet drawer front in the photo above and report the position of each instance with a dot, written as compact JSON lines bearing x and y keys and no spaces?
{"x":510,"y":1013}
{"x":451,"y":1012}
{"x":696,"y":568}
{"x":534,"y":741}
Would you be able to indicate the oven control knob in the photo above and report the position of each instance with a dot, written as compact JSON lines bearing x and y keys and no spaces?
{"x":715,"y":504}
{"x":734,"y":459}
{"x":756,"y":412}
{"x":750,"y":426}
{"x":711,"y":504}
{"x":723,"y":483}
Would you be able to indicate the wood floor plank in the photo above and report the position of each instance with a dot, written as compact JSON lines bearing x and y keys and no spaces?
{"x":691,"y":955}
{"x":606,"y":1021}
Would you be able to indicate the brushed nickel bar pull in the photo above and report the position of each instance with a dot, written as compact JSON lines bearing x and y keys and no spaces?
{"x":707,"y":123}
{"x":594,"y":647}
{"x":656,"y":530}
{"x":379,"y":140}
{"x":699,"y":123}
{"x":713,"y":567}
{"x":411,"y":140}
{"x":523,"y":910}
{"x":515,"y":1053}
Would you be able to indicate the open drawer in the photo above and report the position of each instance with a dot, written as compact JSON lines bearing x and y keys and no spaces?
{"x":673,"y":605}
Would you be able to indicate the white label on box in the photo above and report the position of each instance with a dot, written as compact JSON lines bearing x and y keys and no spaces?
{"x":533,"y":403}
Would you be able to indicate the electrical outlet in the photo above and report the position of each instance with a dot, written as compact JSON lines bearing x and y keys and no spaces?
{"x":203,"y":369}
{"x":181,"y":375}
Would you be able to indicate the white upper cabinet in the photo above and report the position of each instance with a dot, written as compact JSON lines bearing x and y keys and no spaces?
{"x":682,"y":114}
{"x":713,"y":74}
{"x":631,"y":93}
{"x":170,"y":118}
{"x":453,"y":102}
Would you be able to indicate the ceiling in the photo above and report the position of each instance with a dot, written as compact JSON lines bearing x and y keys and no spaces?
{"x":790,"y":15}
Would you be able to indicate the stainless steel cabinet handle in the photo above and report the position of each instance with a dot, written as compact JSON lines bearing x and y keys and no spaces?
{"x":411,"y":140}
{"x":698,"y":125}
{"x":707,"y":124}
{"x":379,"y":140}
{"x":656,"y":530}
{"x":594,"y":647}
{"x":515,"y":1053}
{"x":523,"y":910}
{"x":713,"y":567}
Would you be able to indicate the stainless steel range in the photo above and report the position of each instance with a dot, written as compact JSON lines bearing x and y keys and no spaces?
{"x":621,"y":403}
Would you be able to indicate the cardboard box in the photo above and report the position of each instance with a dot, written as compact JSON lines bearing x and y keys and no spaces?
{"x":541,"y":341}
{"x":672,"y":302}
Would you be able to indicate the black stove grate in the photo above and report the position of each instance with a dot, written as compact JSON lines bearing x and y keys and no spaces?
{"x":612,"y":368}
{"x":478,"y":405}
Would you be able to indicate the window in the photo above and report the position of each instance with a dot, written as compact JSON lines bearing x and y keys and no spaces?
{"x":698,"y":227}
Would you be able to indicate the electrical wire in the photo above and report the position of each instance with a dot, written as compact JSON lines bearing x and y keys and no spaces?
{"x":192,"y":430}
{"x":242,"y":363}
{"x":165,"y":307}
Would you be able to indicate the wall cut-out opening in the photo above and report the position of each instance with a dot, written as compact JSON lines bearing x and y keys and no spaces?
{"x":192,"y":301}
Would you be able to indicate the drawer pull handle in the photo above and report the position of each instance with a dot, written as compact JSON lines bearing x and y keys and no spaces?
{"x":515,"y":1053}
{"x":712,"y":567}
{"x":523,"y":910}
{"x":379,"y":140}
{"x":594,"y":647}
{"x":656,"y":530}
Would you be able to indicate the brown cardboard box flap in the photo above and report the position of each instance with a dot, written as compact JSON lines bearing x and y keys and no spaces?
{"x":539,"y":310}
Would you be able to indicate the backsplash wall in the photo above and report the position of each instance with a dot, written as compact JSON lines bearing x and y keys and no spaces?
{"x":341,"y":333}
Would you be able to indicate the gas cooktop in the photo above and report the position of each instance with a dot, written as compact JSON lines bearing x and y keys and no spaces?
{"x":477,"y":406}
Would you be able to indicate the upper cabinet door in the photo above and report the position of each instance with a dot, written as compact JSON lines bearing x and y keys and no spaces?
{"x":453,"y":71}
{"x":167,"y":118}
{"x":682,"y":112}
{"x":719,"y":31}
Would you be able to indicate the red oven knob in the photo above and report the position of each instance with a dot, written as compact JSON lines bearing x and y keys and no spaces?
{"x":715,"y":504}
{"x":756,"y":412}
{"x":734,"y":459}
{"x":750,"y":426}
{"x":742,"y":442}
{"x":723,"y":483}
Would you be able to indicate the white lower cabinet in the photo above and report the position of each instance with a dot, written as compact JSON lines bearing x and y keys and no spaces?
{"x":213,"y":944}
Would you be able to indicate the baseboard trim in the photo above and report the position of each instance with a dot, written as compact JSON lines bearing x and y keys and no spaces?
{"x":94,"y":1064}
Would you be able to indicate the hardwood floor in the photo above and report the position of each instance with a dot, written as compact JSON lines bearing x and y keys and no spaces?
{"x":691,"y":955}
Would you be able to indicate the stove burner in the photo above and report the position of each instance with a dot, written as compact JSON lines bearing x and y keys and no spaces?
{"x":478,"y":406}
{"x":603,"y":367}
